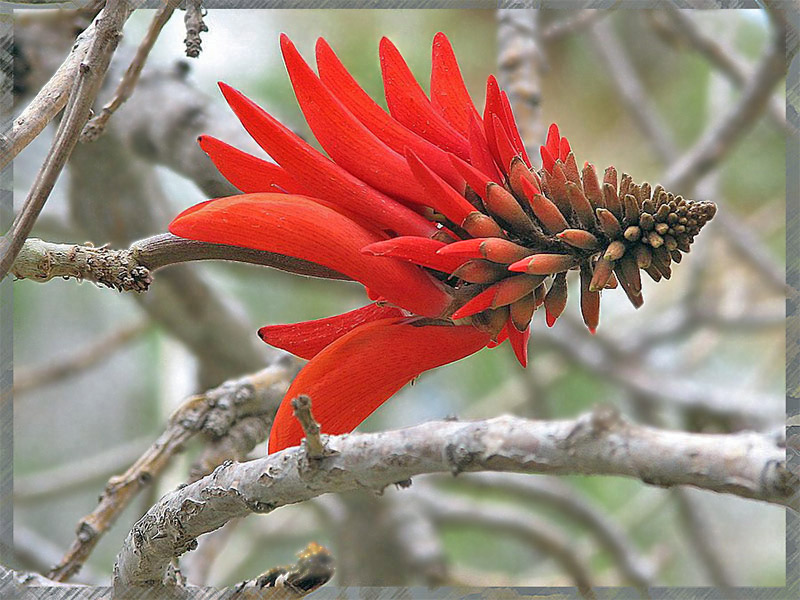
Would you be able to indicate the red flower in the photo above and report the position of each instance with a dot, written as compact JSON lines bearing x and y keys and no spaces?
{"x":437,"y":211}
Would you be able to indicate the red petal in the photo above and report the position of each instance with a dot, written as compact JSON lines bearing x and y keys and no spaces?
{"x":480,"y":155}
{"x":339,"y":81}
{"x":408,"y":103}
{"x":346,"y":140}
{"x":308,"y":338}
{"x":474,"y":178}
{"x":504,"y":146}
{"x":322,"y":177}
{"x":519,"y":342}
{"x":478,"y":304}
{"x":418,"y":250}
{"x":448,"y":92}
{"x":245,"y":171}
{"x":299,"y":227}
{"x":563,"y":149}
{"x":439,"y":194}
{"x":548,"y":162}
{"x":357,"y":373}
{"x":513,"y":129}
{"x":501,"y":337}
{"x":553,"y":140}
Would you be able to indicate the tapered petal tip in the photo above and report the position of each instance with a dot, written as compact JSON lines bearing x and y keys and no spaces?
{"x":550,"y":318}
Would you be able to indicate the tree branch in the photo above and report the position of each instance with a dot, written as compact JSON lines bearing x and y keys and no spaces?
{"x":97,"y":124}
{"x":87,"y":84}
{"x":750,"y":465}
{"x":130,"y":270}
{"x":211,"y":412}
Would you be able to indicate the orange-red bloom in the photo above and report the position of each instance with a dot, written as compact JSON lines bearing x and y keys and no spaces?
{"x":435,"y":208}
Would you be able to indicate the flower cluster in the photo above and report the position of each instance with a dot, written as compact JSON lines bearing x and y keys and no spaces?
{"x":437,"y":210}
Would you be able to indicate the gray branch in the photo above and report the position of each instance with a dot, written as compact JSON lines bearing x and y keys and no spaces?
{"x":747,"y":464}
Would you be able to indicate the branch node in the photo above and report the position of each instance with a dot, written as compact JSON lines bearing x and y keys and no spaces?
{"x":194,"y":27}
{"x":315,"y":449}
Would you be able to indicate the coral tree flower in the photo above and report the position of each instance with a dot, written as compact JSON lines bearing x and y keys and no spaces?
{"x":437,"y":210}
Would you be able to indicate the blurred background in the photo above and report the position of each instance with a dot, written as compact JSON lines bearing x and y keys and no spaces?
{"x":97,"y":373}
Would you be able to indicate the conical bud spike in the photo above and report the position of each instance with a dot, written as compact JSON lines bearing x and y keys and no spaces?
{"x":571,"y":169}
{"x":591,"y":188}
{"x":643,"y":256}
{"x":590,"y":301}
{"x":501,"y":203}
{"x":579,"y":238}
{"x":556,"y":298}
{"x":478,"y":224}
{"x":558,"y":190}
{"x":544,"y":264}
{"x":625,"y":183}
{"x":513,"y":288}
{"x":480,"y":271}
{"x":503,"y":251}
{"x":614,"y":251}
{"x":631,"y":208}
{"x":653,"y":272}
{"x":583,"y":209}
{"x":611,"y":200}
{"x":676,"y":256}
{"x":634,"y":296}
{"x":628,"y":264}
{"x":547,"y":213}
{"x":519,"y":171}
{"x":522,"y":311}
{"x":608,"y":223}
{"x":539,"y":294}
{"x":610,"y":177}
{"x":602,"y":273}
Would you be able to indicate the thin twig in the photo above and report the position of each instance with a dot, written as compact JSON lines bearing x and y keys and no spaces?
{"x":87,"y":84}
{"x":212,"y":412}
{"x":723,"y":58}
{"x":130,"y":270}
{"x":519,"y":62}
{"x":302,"y":411}
{"x":94,"y":128}
{"x":721,"y":137}
{"x":572,"y":24}
{"x":453,"y":510}
{"x":27,"y":378}
{"x":746,"y":464}
{"x":195,"y":25}
{"x":633,"y":93}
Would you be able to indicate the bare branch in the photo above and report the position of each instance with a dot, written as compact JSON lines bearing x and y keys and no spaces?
{"x":86,"y":86}
{"x":302,"y":411}
{"x":633,"y":94}
{"x":572,"y":24}
{"x":94,"y":128}
{"x":211,"y":412}
{"x":130,"y":270}
{"x":195,"y":25}
{"x":723,"y":58}
{"x":748,"y":464}
{"x":30,"y":377}
{"x":634,"y":567}
{"x":519,"y":61}
{"x":720,"y":138}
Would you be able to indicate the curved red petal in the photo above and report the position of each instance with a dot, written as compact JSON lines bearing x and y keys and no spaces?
{"x":440,"y":195}
{"x":299,"y":227}
{"x":418,"y":250}
{"x":563,"y":149}
{"x":309,"y":338}
{"x":513,"y":129}
{"x":553,"y":141}
{"x":519,"y":342}
{"x":346,"y":140}
{"x":480,"y":153}
{"x":321,"y":176}
{"x":448,"y":91}
{"x":339,"y":81}
{"x":548,"y":162}
{"x":247,"y":172}
{"x":410,"y":106}
{"x":504,"y":146}
{"x":357,"y":373}
{"x":476,"y":179}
